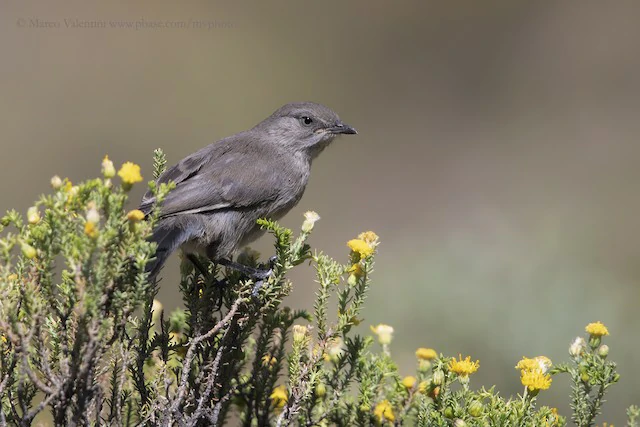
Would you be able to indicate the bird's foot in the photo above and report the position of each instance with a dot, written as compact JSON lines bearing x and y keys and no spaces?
{"x":259,"y":275}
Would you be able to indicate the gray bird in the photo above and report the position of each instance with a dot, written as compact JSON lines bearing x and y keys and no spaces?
{"x":224,"y":188}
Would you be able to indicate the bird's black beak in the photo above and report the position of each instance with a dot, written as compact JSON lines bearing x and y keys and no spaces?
{"x":342,"y":128}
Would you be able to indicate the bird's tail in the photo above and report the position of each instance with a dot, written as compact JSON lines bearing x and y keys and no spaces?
{"x":168,"y":240}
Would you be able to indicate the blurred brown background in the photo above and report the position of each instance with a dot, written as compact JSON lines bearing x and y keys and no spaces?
{"x":497,"y":156}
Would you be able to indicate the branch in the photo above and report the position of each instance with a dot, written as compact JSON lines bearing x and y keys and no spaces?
{"x":182,"y":389}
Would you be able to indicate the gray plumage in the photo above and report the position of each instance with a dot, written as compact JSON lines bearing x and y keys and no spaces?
{"x":225,"y":187}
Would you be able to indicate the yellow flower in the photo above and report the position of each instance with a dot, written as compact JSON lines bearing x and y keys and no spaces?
{"x":535,"y":380}
{"x":409,"y":382}
{"x":268,"y":360}
{"x":422,"y":387}
{"x":465,"y":367}
{"x":130,"y":173}
{"x":360,"y":247}
{"x":596,"y":329}
{"x":90,"y":229}
{"x":135,"y":215}
{"x":370,"y":238}
{"x":279,"y":396}
{"x":527,"y":364}
{"x":384,"y":333}
{"x":384,"y":412}
{"x":426,"y":353}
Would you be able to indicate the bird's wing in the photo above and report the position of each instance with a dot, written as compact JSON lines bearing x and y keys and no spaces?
{"x":178,"y":173}
{"x":221,"y":176}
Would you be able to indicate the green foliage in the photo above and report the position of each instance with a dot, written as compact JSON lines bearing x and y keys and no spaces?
{"x":84,"y":341}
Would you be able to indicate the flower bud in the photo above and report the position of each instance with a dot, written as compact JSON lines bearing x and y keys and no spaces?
{"x":310,"y":218}
{"x":108,"y":170}
{"x":335,"y":349}
{"x":426,"y":353}
{"x":352,"y":280}
{"x":28,"y":250}
{"x":56,"y":182}
{"x":434,"y":393}
{"x":321,"y":390}
{"x":135,"y":215}
{"x":438,"y":377}
{"x":409,"y":382}
{"x":384,"y":333}
{"x":476,"y":408}
{"x":92,"y":214}
{"x":299,"y":333}
{"x":577,"y":347}
{"x":459,"y":423}
{"x":603,"y":351}
{"x":33,"y":215}
{"x":448,"y":412}
{"x":424,"y":365}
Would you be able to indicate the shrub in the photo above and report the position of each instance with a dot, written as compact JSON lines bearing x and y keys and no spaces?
{"x":84,"y":341}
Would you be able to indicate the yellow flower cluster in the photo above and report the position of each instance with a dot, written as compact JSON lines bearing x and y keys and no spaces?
{"x":365,"y":245}
{"x":360,"y":247}
{"x":535,"y":380}
{"x":464,"y":367}
{"x":533,"y":373}
{"x":268,"y":360}
{"x":384,"y":412}
{"x":279,"y":396}
{"x":597,"y":329}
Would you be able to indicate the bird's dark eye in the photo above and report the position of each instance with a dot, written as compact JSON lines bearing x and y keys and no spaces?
{"x":306,"y":120}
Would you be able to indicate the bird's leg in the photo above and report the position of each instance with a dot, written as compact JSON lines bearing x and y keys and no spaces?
{"x":198,"y":265}
{"x":204,"y":271}
{"x":254,"y":273}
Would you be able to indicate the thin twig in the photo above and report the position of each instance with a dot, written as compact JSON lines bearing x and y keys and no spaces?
{"x":186,"y":367}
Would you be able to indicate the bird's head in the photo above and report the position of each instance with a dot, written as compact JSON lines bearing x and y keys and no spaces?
{"x":304,"y":127}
